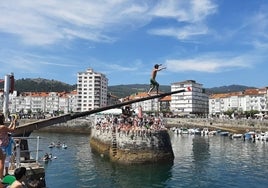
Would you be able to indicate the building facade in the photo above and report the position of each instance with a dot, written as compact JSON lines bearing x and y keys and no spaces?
{"x":92,"y":89}
{"x":152,"y":105}
{"x":189,"y":102}
{"x":42,"y":102}
{"x":250,"y":99}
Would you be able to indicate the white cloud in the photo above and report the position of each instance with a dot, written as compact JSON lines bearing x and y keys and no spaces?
{"x":30,"y":63}
{"x":189,"y":14}
{"x":48,"y":22}
{"x":190,"y":11}
{"x":209,"y":64}
{"x":182,"y":33}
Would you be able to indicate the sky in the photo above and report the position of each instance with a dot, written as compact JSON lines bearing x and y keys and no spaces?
{"x":214,"y":42}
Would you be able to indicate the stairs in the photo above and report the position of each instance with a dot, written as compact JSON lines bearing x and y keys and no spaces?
{"x":114,"y":143}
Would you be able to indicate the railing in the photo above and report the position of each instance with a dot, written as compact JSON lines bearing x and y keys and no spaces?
{"x":21,"y":149}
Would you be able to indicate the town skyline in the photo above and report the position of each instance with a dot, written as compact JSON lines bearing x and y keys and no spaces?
{"x":215,"y":42}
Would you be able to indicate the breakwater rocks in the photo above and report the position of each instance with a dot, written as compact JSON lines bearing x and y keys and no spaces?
{"x":79,"y":126}
{"x":232,"y":125}
{"x":132,"y":146}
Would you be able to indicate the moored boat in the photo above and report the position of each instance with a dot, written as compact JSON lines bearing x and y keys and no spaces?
{"x":236,"y":135}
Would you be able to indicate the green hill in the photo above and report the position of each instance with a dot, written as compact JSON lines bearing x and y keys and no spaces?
{"x":41,"y":85}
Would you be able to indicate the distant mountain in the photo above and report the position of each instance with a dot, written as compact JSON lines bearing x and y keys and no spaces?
{"x":126,"y":90}
{"x":227,"y":89}
{"x":40,"y":84}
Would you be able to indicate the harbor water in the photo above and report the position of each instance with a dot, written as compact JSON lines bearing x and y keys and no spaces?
{"x":200,"y":161}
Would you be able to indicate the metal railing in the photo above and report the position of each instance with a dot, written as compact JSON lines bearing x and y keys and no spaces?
{"x":20,"y":144}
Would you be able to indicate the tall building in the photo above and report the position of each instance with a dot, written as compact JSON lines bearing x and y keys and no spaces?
{"x":189,"y":102}
{"x":91,"y":90}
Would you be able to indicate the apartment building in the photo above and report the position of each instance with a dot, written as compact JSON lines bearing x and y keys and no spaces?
{"x":152,"y":105}
{"x":189,"y":102}
{"x":41,"y":102}
{"x":250,"y":99}
{"x":91,"y":90}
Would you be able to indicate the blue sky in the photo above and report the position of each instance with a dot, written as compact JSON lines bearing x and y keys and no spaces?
{"x":215,"y":42}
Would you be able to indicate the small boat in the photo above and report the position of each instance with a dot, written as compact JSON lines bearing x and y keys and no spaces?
{"x":224,"y":133}
{"x":58,"y":145}
{"x":51,"y":145}
{"x":237,"y":135}
{"x":64,"y":146}
{"x":249,"y":135}
{"x":195,"y":131}
{"x":184,"y":131}
{"x":205,"y":131}
{"x":47,"y":157}
{"x":212,"y":132}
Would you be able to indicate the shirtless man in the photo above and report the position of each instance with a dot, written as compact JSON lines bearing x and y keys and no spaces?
{"x":153,"y":82}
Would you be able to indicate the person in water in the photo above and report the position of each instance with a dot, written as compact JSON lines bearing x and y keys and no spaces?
{"x":153,"y":82}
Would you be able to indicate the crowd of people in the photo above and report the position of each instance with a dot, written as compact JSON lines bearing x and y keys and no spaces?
{"x":127,"y":124}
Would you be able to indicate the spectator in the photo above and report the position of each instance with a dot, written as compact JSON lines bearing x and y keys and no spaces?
{"x":4,"y":140}
{"x":20,"y":175}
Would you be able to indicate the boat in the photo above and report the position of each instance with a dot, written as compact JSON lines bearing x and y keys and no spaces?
{"x":205,"y":131}
{"x":47,"y":157}
{"x":212,"y":132}
{"x":58,"y":145}
{"x":25,"y":158}
{"x":237,"y":135}
{"x":195,"y":131}
{"x":249,"y":135}
{"x":64,"y":146}
{"x":224,"y":133}
{"x":184,"y":131}
{"x":51,"y":145}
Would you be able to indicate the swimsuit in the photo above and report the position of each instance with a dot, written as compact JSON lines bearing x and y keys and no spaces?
{"x":154,"y":82}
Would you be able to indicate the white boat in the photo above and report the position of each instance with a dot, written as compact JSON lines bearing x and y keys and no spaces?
{"x":51,"y":145}
{"x":237,"y":135}
{"x":212,"y":132}
{"x":205,"y":131}
{"x":184,"y":131}
{"x":64,"y":146}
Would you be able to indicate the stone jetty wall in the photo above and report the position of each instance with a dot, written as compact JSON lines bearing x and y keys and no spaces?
{"x":237,"y":125}
{"x":133,"y":146}
{"x":81,"y":126}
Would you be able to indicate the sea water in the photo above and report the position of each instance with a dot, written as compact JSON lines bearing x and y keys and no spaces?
{"x":200,"y":161}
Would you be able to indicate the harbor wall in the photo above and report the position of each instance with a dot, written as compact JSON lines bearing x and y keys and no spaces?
{"x":133,"y":146}
{"x":237,"y":125}
{"x":79,"y":126}
{"x":83,"y":126}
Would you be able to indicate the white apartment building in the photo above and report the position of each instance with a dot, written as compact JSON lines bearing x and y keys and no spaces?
{"x":41,"y":102}
{"x":91,"y":90}
{"x":250,"y":99}
{"x":147,"y":105}
{"x":189,"y":102}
